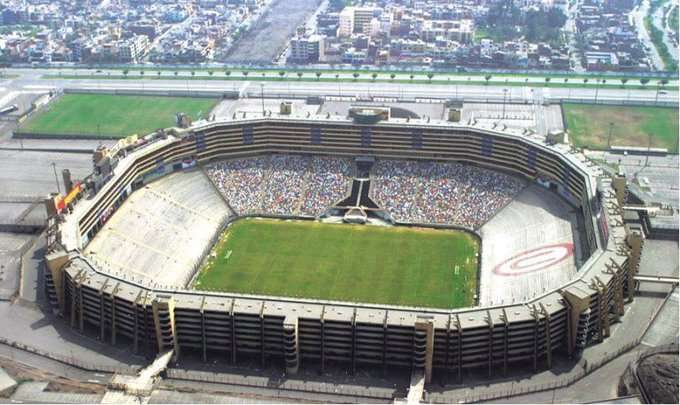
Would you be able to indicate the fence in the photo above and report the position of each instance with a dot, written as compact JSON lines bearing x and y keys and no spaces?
{"x":71,"y":361}
{"x":316,"y":387}
{"x":161,"y":93}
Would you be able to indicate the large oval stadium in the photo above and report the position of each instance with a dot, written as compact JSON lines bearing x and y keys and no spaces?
{"x":309,"y":241}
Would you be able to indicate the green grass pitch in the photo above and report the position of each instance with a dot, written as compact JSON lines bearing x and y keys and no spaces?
{"x":112,"y":115}
{"x":357,"y":263}
{"x":588,"y":126}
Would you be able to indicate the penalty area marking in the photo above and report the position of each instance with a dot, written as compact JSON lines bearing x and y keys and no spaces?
{"x":536,"y":259}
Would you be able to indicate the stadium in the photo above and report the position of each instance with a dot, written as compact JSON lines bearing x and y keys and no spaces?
{"x":365,"y":240}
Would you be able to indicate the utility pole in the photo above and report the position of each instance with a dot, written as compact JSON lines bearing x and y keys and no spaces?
{"x":262,"y":96}
{"x":649,"y":148}
{"x":505,"y":93}
{"x":609,"y":136}
{"x":56,"y":178}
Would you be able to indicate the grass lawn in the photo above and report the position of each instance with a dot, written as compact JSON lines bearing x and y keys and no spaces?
{"x":588,"y":126}
{"x":359,"y":263}
{"x":113,"y":116}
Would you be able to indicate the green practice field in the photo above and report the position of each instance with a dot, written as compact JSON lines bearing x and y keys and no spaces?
{"x":588,"y":126}
{"x":113,"y":116}
{"x":358,"y":263}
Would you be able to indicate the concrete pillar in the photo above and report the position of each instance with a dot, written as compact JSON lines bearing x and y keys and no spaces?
{"x":233,"y":333}
{"x":505,"y":342}
{"x":55,"y":263}
{"x":424,"y":346}
{"x":548,"y":337}
{"x":578,"y":301}
{"x":114,"y":314}
{"x":204,"y":345}
{"x":604,"y":308}
{"x":354,"y":342}
{"x":81,"y":318}
{"x":384,"y":343}
{"x":323,"y":340}
{"x":102,"y":310}
{"x":460,"y":349}
{"x":634,"y":241}
{"x":537,"y":324}
{"x":291,"y":349}
{"x":619,"y":185}
{"x":447,"y":358}
{"x":490,"y":345}
{"x":163,"y":307}
{"x":262,"y":342}
{"x":137,"y":307}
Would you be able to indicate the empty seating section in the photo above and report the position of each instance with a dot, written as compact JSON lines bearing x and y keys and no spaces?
{"x":441,"y":193}
{"x":158,"y":237}
{"x":282,"y":184}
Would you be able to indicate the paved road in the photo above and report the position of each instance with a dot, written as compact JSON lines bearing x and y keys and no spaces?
{"x":494,"y":91}
{"x":309,"y":72}
{"x":570,"y":27}
{"x":659,"y":20}
{"x":638,"y":18}
{"x":271,"y":31}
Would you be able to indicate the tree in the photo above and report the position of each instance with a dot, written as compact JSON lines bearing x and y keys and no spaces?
{"x":392,"y":76}
{"x":193,"y":73}
{"x":411,"y":77}
{"x":158,"y":74}
{"x":281,"y":74}
{"x":659,"y":84}
{"x":125,"y":72}
{"x":227,"y":73}
{"x":487,"y":78}
{"x":318,"y":76}
{"x":644,"y":81}
{"x":430,"y":75}
{"x":210,"y":73}
{"x":299,"y":75}
{"x":547,"y":80}
{"x":374,"y":76}
{"x":176,"y":73}
{"x":141,"y":73}
{"x":245,"y":73}
{"x":585,"y":81}
{"x":566,"y":79}
{"x":337,"y":76}
{"x":355,"y":75}
{"x":623,"y":82}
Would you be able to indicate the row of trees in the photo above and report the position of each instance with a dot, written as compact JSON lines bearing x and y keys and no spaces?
{"x":643,"y":81}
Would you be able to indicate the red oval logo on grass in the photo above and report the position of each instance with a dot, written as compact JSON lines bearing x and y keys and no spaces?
{"x":536,"y":259}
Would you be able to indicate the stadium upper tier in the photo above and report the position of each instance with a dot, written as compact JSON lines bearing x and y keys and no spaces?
{"x":298,"y":330}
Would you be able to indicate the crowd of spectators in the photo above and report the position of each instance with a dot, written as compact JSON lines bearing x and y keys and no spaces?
{"x":328,"y":183}
{"x":282,"y":184}
{"x":241,"y":182}
{"x":418,"y":192}
{"x":441,"y":193}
